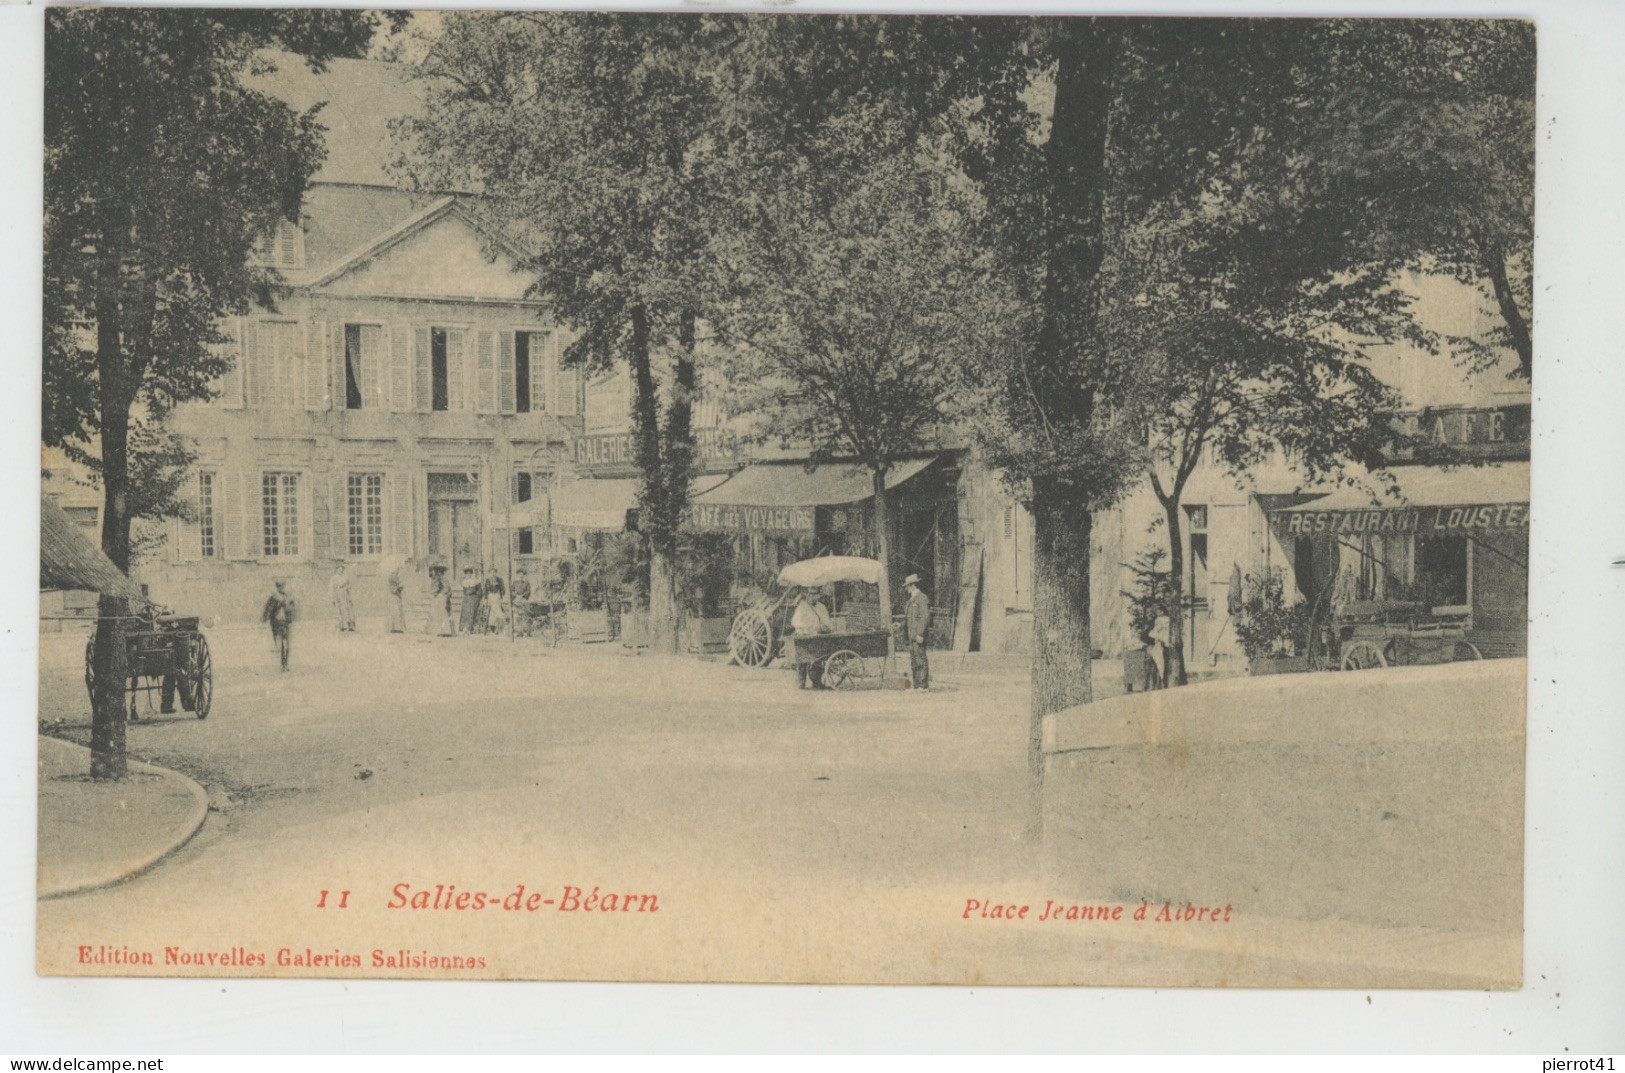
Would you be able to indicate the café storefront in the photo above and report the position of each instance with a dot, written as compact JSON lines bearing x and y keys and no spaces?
{"x":1455,"y":539}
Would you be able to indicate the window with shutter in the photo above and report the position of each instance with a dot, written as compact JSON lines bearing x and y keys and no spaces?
{"x":567,"y":382}
{"x":316,"y":387}
{"x":229,"y":388}
{"x":507,"y":374}
{"x":485,"y":356}
{"x":427,"y":383}
{"x":400,"y":369}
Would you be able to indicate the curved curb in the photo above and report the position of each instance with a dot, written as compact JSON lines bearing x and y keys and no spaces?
{"x":185,"y":833}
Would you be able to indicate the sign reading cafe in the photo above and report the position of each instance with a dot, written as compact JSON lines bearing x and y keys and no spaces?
{"x":1404,"y":519}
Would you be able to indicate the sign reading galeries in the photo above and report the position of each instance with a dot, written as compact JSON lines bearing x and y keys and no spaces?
{"x":1404,"y":519}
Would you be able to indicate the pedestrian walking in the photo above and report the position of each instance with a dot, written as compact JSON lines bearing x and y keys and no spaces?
{"x":279,"y":613}
{"x":473,"y":590}
{"x":519,"y":605}
{"x":916,"y":618}
{"x":397,"y":597}
{"x":491,"y":594}
{"x":439,"y":622}
{"x":343,"y":601}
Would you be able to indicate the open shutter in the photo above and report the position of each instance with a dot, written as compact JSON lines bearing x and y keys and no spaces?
{"x":230,"y":384}
{"x":400,"y":368}
{"x":458,"y":374}
{"x":505,"y":373}
{"x":422,"y":370}
{"x":318,"y":382}
{"x":374,"y":369}
{"x":485,"y":352}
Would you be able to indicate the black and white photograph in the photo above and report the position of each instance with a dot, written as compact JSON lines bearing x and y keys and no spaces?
{"x":752,"y":497}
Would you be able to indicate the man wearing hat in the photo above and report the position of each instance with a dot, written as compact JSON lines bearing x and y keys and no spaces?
{"x":916,"y":617}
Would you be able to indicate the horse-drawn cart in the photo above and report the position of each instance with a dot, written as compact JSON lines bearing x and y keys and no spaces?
{"x":762,"y":633}
{"x":1380,"y":633}
{"x":167,"y":655}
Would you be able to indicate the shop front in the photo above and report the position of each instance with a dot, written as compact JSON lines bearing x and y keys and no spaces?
{"x":1454,"y":542}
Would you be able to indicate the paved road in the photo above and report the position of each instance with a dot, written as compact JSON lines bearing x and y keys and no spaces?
{"x":783,"y":835}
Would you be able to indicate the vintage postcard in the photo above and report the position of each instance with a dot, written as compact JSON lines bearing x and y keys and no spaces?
{"x":785,"y":498}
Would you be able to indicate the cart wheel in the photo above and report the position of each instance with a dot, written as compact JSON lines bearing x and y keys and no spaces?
{"x":1362,"y":656}
{"x":750,"y":641}
{"x":1466,"y":650}
{"x":199,"y":678}
{"x":90,"y":668}
{"x":843,"y":670}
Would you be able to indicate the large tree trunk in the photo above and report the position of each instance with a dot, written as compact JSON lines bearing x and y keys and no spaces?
{"x":107,"y":749}
{"x":677,"y":465}
{"x":1076,"y":164}
{"x":1517,"y":327}
{"x":1062,"y":656}
{"x":883,"y":553}
{"x":1176,"y":591}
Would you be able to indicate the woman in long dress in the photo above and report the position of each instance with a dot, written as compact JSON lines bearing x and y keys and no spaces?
{"x":473,"y":590}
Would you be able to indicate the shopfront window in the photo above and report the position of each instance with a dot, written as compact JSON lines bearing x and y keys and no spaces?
{"x":1441,"y":570}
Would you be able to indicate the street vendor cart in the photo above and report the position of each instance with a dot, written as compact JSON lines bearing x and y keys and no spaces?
{"x":848,"y":657}
{"x":1381,"y":633}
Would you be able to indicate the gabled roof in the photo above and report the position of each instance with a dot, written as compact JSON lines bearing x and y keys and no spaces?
{"x":68,"y":559}
{"x":375,"y":247}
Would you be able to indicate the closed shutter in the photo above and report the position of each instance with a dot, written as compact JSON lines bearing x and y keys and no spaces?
{"x":400,"y":369}
{"x":317,"y":387}
{"x":485,"y":351}
{"x":230,"y":384}
{"x":567,"y":382}
{"x":337,"y":363}
{"x":188,"y":535}
{"x":422,"y":370}
{"x":505,"y":373}
{"x":253,"y":365}
{"x":374,"y":369}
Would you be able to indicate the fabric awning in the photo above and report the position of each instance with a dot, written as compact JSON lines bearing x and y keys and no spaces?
{"x":595,"y":502}
{"x":69,"y":559}
{"x":1430,"y":499}
{"x":780,"y":496}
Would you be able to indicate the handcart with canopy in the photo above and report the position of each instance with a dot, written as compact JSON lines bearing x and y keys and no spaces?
{"x":762,"y":633}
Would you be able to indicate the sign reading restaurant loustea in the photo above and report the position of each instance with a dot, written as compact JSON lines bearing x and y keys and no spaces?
{"x":1405,"y":519}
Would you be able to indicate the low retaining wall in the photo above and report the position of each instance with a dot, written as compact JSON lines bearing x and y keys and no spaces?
{"x":1390,"y":797}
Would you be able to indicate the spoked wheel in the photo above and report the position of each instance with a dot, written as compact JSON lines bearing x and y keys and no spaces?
{"x":1464,"y":650}
{"x":197,"y":687}
{"x":843,"y":670}
{"x":750,"y":641}
{"x":1363,"y":656}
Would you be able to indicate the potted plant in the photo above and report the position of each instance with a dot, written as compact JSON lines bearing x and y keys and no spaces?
{"x":704,"y":576}
{"x":1147,"y":608}
{"x":1273,"y":633}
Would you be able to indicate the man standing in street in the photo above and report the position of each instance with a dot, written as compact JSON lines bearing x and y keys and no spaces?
{"x":343,"y":602}
{"x":916,"y":617}
{"x":279,"y":612}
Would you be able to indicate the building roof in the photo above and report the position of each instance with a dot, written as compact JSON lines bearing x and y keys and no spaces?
{"x":68,"y":559}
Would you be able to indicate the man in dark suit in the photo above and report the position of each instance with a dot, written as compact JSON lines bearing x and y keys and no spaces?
{"x":916,"y":617}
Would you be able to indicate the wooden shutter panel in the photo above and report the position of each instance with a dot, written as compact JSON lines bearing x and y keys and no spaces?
{"x":318,"y":384}
{"x":189,"y":532}
{"x":230,"y":384}
{"x":567,"y":382}
{"x":253,"y":364}
{"x":374,"y":368}
{"x":333,"y":335}
{"x":457,"y":376}
{"x":485,"y":352}
{"x":400,"y":368}
{"x":505,"y":373}
{"x":422,"y":371}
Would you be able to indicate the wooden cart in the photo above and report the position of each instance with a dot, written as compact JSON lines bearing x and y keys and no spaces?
{"x":1382,"y":633}
{"x":761,"y":634}
{"x":167,"y":655}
